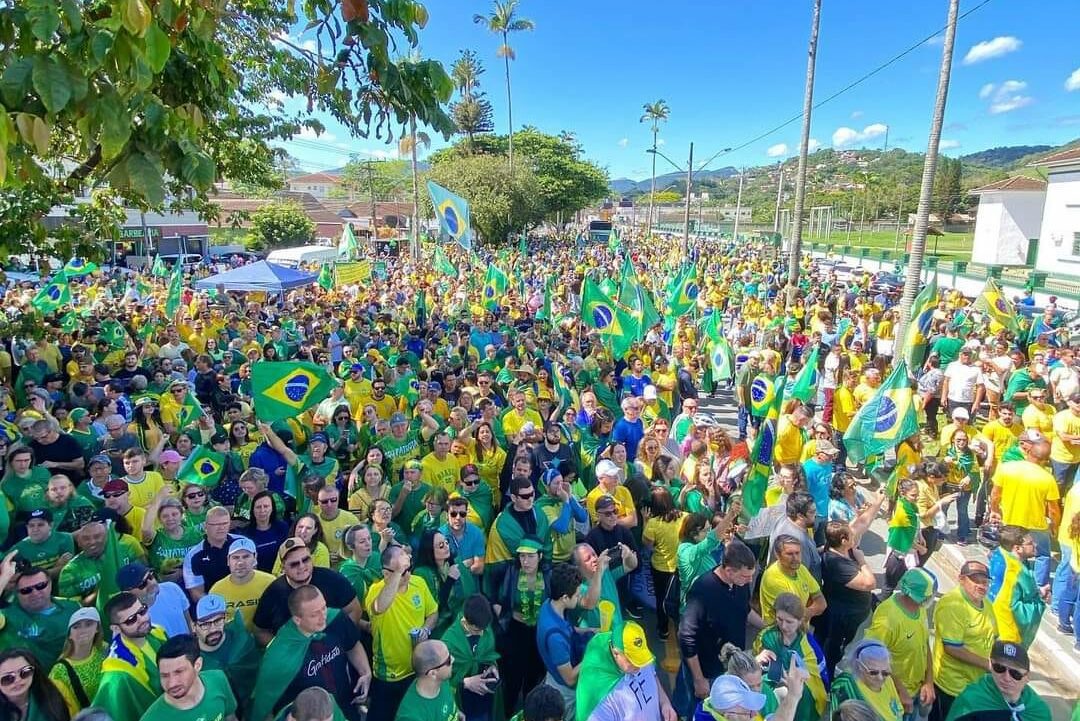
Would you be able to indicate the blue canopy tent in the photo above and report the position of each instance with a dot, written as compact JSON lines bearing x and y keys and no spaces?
{"x":260,"y":276}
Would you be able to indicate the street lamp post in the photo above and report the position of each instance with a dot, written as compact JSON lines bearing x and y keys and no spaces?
{"x":689,"y":185}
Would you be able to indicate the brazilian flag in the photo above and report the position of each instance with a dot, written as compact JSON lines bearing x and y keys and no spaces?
{"x":176,"y":289}
{"x":326,"y":276}
{"x":190,"y":411}
{"x":283,"y":390}
{"x":805,"y":386}
{"x":55,"y":295}
{"x":683,"y":292}
{"x":597,"y":309}
{"x":918,"y":330}
{"x":762,"y":395}
{"x":443,"y":264}
{"x":993,"y":303}
{"x":453,"y":213}
{"x":78,"y":267}
{"x":114,"y":333}
{"x":887,"y":418}
{"x":761,"y":455}
{"x":203,"y":467}
{"x":495,"y":285}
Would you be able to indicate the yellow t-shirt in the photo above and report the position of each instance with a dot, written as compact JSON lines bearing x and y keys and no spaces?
{"x":957,"y":622}
{"x":886,"y":702}
{"x":390,"y":629}
{"x":789,"y":441}
{"x":1041,"y":419}
{"x":384,"y":408}
{"x":143,"y":492}
{"x":334,"y":531}
{"x":243,"y":598}
{"x":863,"y":393}
{"x":664,"y":537}
{"x":357,"y":393}
{"x":775,"y":581}
{"x":1025,"y":489}
{"x":512,"y":423}
{"x":1065,"y":422}
{"x":908,"y":639}
{"x":624,"y":502}
{"x":1003,"y":437}
{"x":1070,"y":508}
{"x":443,"y":474}
{"x":844,"y":408}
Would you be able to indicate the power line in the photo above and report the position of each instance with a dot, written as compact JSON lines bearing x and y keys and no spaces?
{"x":855,"y":83}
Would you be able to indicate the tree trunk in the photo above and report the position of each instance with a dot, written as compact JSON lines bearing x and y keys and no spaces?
{"x":652,"y":184}
{"x":415,"y":193}
{"x":800,"y":178}
{"x":913,"y":278}
{"x":509,"y":105}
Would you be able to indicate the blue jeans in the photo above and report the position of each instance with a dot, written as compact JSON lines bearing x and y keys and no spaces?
{"x":1042,"y":557}
{"x":1064,"y":589}
{"x":963,"y":521}
{"x":744,"y":420}
{"x":1064,"y":473}
{"x":682,"y":698}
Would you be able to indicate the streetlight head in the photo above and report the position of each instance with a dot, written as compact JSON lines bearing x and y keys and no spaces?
{"x":650,"y":150}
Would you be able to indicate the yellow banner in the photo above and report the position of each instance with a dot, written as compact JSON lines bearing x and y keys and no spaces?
{"x":349,"y":273}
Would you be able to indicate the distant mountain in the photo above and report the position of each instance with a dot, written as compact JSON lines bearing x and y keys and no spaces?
{"x":1003,"y":157}
{"x":625,"y":186}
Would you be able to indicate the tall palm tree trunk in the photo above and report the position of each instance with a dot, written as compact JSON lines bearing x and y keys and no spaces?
{"x":913,"y":277}
{"x":509,"y":104}
{"x":652,"y":185}
{"x":415,"y":192}
{"x":795,"y":249}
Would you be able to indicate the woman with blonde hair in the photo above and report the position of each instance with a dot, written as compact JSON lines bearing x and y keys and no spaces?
{"x":77,"y":673}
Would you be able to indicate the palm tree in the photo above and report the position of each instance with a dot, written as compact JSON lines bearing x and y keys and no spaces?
{"x":655,"y":113}
{"x":804,"y":147}
{"x":502,"y":21}
{"x":408,"y":144}
{"x":913,"y":278}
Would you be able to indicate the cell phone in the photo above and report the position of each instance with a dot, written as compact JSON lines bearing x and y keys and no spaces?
{"x":616,"y":556}
{"x":947,"y":488}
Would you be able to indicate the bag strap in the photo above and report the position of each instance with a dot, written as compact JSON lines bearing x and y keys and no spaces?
{"x":76,"y":684}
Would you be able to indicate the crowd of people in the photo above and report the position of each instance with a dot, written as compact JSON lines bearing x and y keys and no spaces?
{"x":492,"y":514}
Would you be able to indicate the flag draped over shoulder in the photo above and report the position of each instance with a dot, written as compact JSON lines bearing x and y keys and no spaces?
{"x":917,"y":336}
{"x":565,"y":393}
{"x":55,"y":295}
{"x":453,"y":214}
{"x":282,"y":662}
{"x":762,"y":394}
{"x":761,"y":455}
{"x":886,"y":419}
{"x":993,"y":303}
{"x":203,"y":467}
{"x":285,"y":389}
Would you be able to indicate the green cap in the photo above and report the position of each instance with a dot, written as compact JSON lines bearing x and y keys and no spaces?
{"x":918,"y":584}
{"x":529,"y":545}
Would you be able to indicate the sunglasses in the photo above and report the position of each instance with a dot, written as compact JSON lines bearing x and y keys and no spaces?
{"x":196,"y":494}
{"x":21,"y":675}
{"x":459,"y":514}
{"x":299,"y":562}
{"x":27,"y":590}
{"x":997,"y":668}
{"x":872,"y":672}
{"x":470,"y":482}
{"x":113,"y":494}
{"x":524,"y":496}
{"x":138,"y":614}
{"x":449,"y":660}
{"x":327,"y":501}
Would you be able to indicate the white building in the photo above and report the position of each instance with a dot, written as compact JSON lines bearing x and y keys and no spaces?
{"x":1009,"y":218}
{"x":317,"y":184}
{"x":1058,"y":248}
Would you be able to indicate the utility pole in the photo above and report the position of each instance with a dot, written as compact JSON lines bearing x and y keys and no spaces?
{"x":779,"y":197}
{"x":371,"y":191}
{"x":913,"y":277}
{"x":686,"y":217}
{"x":738,"y":207}
{"x":899,"y":214}
{"x":804,"y":145}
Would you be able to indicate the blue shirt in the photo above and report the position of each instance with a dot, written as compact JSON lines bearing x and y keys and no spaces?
{"x":553,"y":638}
{"x":630,"y":435}
{"x":635,"y":386}
{"x":470,"y":545}
{"x":819,"y":482}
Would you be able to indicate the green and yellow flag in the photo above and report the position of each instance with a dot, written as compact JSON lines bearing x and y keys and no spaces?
{"x":993,"y":303}
{"x":443,"y":264}
{"x":203,"y":467}
{"x":761,"y":455}
{"x":283,"y":390}
{"x":887,"y":418}
{"x":495,"y":285}
{"x":176,"y":289}
{"x":917,"y":334}
{"x":78,"y":267}
{"x":114,"y":333}
{"x":683,"y":292}
{"x":762,"y":395}
{"x":55,"y":295}
{"x":190,"y":411}
{"x":158,"y":269}
{"x":326,"y":276}
{"x":636,"y":298}
{"x":805,"y":385}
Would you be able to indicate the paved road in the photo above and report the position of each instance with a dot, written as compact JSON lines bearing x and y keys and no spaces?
{"x":1056,"y":666}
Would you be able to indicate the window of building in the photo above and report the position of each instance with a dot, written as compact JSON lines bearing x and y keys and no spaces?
{"x":1076,"y":244}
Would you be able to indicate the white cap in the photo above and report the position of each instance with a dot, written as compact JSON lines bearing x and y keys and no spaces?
{"x":86,"y":613}
{"x":731,"y":692}
{"x":961,"y":413}
{"x":606,"y":468}
{"x":649,"y":393}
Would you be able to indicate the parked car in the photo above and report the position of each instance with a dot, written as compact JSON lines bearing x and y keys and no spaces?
{"x":885,"y":281}
{"x":189,"y":260}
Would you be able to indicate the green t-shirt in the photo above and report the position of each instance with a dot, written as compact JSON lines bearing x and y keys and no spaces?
{"x":415,"y":707}
{"x":360,"y":577}
{"x":165,"y":554}
{"x":609,"y":593}
{"x":398,"y":452}
{"x":45,"y":554}
{"x":27,"y":493}
{"x":197,"y":521}
{"x":218,"y":703}
{"x":82,"y":574}
{"x":327,"y":469}
{"x":42,"y":633}
{"x":413,"y":503}
{"x":948,"y":349}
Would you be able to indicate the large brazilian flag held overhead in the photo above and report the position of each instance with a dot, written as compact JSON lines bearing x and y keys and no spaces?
{"x":284,"y":390}
{"x":887,"y":418}
{"x":453,"y":214}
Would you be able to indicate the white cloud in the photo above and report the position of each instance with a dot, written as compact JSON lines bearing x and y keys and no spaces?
{"x":623,"y":142}
{"x":1006,"y":97}
{"x":846,"y":136}
{"x":995,"y":48}
{"x":1073,"y":81}
{"x":661,"y":143}
{"x":307,"y":133}
{"x":278,"y":96}
{"x":948,"y":144}
{"x":310,"y":46}
{"x":938,"y":39}
{"x":856,"y":114}
{"x":778,"y":150}
{"x":813,"y":145}
{"x":381,"y":154}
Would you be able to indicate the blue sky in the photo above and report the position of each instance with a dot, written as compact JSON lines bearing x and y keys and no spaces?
{"x":732,"y":69}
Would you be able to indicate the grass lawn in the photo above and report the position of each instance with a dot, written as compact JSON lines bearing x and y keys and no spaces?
{"x":227,"y":236}
{"x":950,"y":245}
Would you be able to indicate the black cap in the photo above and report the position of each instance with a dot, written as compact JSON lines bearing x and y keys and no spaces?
{"x":1010,"y":654}
{"x":41,"y":514}
{"x":972,"y":569}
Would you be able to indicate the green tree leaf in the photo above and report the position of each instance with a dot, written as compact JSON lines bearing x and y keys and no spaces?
{"x":145,"y":178}
{"x":41,"y":135}
{"x":51,"y":83}
{"x":137,"y":17}
{"x":15,"y":83}
{"x":44,"y":19}
{"x":115,"y":127}
{"x":157,"y":47}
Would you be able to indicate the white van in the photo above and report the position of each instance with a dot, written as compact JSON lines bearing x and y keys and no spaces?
{"x":295,"y":257}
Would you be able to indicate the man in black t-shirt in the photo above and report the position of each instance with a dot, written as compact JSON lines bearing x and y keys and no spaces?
{"x":273,"y":610}
{"x":553,"y":453}
{"x":57,"y":451}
